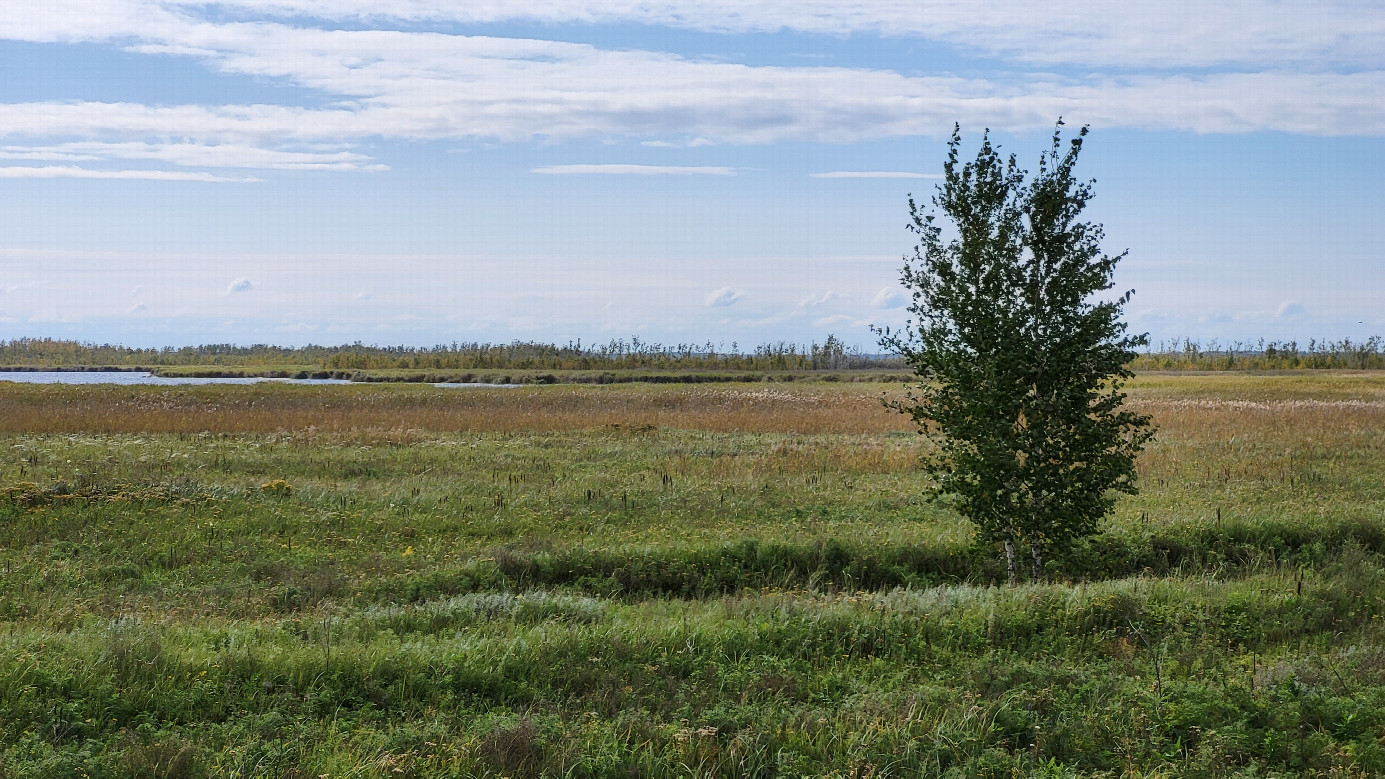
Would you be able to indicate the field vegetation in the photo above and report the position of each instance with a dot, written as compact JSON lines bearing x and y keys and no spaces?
{"x":619,"y":361}
{"x":617,"y":355}
{"x":382,"y":580}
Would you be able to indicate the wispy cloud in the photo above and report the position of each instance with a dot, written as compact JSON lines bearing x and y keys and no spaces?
{"x":874,"y":174}
{"x":819,"y":299}
{"x":888,"y":298}
{"x":239,"y":285}
{"x":832,"y":321}
{"x":43,"y":154}
{"x":725,"y":296}
{"x":740,"y":104}
{"x":1291,"y":310}
{"x":197,"y":155}
{"x":74,"y":172}
{"x":423,"y":85}
{"x":635,"y":170}
{"x":1091,"y":32}
{"x":694,"y":143}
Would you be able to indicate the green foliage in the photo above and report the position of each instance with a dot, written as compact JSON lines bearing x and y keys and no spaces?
{"x":1022,"y":371}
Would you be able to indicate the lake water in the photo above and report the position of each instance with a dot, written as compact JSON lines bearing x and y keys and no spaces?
{"x":135,"y":377}
{"x":144,"y":377}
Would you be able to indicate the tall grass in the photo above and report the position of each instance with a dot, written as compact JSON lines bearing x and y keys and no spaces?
{"x":262,"y":408}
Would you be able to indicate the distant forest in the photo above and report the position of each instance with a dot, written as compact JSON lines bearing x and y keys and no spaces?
{"x":1188,"y":355}
{"x":619,"y":354}
{"x":636,"y":354}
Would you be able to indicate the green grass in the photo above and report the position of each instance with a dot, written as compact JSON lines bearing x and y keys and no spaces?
{"x":438,"y":597}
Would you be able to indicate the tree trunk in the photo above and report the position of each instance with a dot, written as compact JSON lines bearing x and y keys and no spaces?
{"x":1010,"y":557}
{"x":1037,"y":552}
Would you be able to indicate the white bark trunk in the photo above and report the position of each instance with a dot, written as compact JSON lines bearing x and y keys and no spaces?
{"x":1010,"y":558}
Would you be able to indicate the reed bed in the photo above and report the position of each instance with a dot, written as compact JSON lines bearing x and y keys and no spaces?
{"x":267,"y":408}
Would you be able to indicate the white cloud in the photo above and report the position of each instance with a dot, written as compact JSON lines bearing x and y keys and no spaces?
{"x":745,"y":105}
{"x":420,"y":85}
{"x":43,"y":154}
{"x":197,"y":155}
{"x":695,"y":143}
{"x":239,"y":285}
{"x":138,"y":308}
{"x":830,"y":321}
{"x":874,"y":174}
{"x":725,"y":296}
{"x":71,"y":21}
{"x":1290,"y":310}
{"x":1310,"y":68}
{"x":818,"y":299}
{"x":635,"y":170}
{"x":888,"y":298}
{"x":1090,"y":32}
{"x":74,"y":172}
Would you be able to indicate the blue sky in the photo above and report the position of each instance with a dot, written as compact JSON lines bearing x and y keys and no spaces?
{"x":423,"y":171}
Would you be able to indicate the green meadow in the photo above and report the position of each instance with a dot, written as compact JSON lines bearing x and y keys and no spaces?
{"x":730,"y":579}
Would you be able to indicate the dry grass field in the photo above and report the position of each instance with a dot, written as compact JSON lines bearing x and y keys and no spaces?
{"x":270,"y":408}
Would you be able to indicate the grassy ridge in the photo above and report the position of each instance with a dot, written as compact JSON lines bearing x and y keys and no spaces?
{"x":670,"y":580}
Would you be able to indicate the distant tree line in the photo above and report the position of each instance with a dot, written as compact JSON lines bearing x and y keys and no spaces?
{"x":1188,"y":355}
{"x":831,"y":354}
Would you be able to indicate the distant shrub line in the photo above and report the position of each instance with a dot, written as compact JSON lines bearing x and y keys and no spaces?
{"x":1187,"y":355}
{"x":357,"y":361}
{"x":531,"y":377}
{"x":618,"y":354}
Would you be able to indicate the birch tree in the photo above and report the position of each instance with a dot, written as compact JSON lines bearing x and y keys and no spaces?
{"x":1021,"y":352}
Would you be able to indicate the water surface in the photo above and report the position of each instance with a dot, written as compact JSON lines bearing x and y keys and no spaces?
{"x":138,"y":377}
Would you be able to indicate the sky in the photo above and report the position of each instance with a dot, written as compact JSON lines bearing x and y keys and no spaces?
{"x":419,"y":172}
